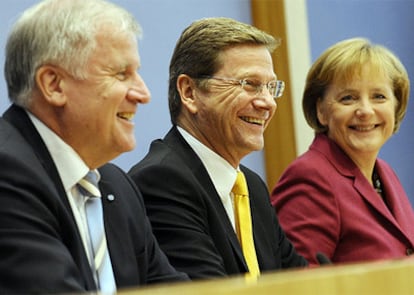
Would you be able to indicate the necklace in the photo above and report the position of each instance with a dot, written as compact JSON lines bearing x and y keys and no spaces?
{"x":377,"y":183}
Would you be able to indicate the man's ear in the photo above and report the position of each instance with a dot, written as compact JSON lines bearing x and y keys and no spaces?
{"x":49,"y":80}
{"x":186,"y":88}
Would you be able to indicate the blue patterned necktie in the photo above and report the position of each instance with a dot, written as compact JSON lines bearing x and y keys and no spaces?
{"x":101,"y":265}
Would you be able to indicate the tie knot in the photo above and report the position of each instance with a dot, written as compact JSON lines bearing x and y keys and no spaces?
{"x":240,"y":186}
{"x":88,"y":185}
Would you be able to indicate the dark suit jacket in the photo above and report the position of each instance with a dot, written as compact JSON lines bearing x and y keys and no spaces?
{"x":40,"y":246}
{"x":324,"y":203}
{"x":189,"y":219}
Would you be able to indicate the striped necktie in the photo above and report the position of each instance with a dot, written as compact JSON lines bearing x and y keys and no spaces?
{"x":244,"y":224}
{"x":101,"y":265}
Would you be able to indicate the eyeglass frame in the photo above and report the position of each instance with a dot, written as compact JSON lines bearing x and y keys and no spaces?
{"x":279,"y":87}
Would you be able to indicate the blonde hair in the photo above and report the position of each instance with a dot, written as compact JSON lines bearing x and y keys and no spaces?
{"x":340,"y":62}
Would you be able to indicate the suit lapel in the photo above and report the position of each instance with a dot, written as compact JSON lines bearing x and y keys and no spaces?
{"x":370,"y":196}
{"x":397,"y":203}
{"x":379,"y":205}
{"x":21,"y":121}
{"x":176,"y":142}
{"x":112,"y":205}
{"x":348,"y":169}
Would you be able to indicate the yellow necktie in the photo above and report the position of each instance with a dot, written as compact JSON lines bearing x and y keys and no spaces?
{"x":244,"y":224}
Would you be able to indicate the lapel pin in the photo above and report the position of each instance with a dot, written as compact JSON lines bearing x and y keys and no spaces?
{"x":110,"y":197}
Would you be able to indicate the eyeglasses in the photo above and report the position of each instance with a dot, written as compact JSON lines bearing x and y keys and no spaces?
{"x":253,"y":87}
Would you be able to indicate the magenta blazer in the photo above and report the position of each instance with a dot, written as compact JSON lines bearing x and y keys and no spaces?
{"x":325,"y":204}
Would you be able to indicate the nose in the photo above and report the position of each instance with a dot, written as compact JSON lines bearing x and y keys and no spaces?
{"x":139,"y":93}
{"x":264,"y":100}
{"x":364,"y":108}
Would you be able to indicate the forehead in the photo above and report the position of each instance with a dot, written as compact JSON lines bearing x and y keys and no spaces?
{"x":246,"y":59}
{"x":122,"y":45}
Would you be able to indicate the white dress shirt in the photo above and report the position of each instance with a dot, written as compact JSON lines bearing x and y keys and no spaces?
{"x":71,"y":169}
{"x":222,"y":174}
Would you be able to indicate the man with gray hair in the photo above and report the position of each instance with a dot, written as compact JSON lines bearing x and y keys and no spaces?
{"x":70,"y":222}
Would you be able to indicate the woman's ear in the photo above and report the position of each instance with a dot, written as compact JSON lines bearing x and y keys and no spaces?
{"x":186,"y":88}
{"x":49,"y":81}
{"x":321,"y":112}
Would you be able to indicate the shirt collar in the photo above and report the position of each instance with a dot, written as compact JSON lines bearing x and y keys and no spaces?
{"x":70,"y":166}
{"x":222,"y":174}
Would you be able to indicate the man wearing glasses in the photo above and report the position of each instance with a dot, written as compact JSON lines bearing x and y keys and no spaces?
{"x":223,"y":93}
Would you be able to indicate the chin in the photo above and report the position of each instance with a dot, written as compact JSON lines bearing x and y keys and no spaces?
{"x":256,"y":147}
{"x":127,"y":146}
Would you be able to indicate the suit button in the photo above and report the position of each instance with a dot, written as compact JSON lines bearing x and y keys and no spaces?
{"x":409,"y":251}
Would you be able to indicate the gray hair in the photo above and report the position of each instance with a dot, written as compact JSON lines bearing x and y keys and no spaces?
{"x":61,"y":33}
